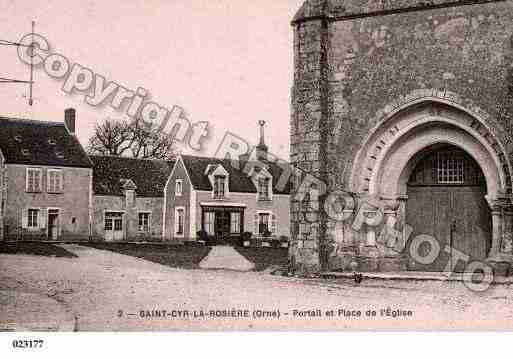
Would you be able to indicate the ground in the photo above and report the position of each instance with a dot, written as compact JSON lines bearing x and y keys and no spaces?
{"x":177,"y":256}
{"x":110,"y":291}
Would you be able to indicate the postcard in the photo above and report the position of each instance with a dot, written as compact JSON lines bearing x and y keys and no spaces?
{"x":236,"y":166}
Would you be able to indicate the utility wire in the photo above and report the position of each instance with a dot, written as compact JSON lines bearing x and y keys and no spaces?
{"x":6,"y":80}
{"x":10,"y":43}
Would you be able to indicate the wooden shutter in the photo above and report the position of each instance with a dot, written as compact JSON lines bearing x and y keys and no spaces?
{"x":61,"y":182}
{"x":42,"y":218}
{"x":255,"y":223}
{"x":176,"y":221}
{"x":24,"y":218}
{"x":39,"y":187}
{"x":273,"y":224}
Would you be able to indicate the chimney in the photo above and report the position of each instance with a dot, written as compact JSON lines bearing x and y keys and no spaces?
{"x":261,"y":149}
{"x":69,"y":120}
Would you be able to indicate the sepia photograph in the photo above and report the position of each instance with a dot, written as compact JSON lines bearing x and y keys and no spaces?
{"x":255,"y":167}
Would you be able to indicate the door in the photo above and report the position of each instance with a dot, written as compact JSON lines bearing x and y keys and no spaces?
{"x":53,"y":224}
{"x":114,"y":226}
{"x":222,"y":226}
{"x":446,"y":200}
{"x":472,"y":224}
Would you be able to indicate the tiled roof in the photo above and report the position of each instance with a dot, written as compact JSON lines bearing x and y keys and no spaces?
{"x":239,"y":180}
{"x":40,"y":143}
{"x":111,"y":173}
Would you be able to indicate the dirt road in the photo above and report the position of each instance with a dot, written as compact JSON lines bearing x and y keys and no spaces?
{"x":109,"y":291}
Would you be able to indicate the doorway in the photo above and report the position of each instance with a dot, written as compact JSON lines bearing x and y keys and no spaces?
{"x":446,"y":200}
{"x":222,"y":227}
{"x":114,"y":226}
{"x":53,"y":224}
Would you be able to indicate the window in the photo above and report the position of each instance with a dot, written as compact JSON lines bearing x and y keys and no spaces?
{"x":263,"y":189}
{"x":208,"y":222}
{"x":263,"y":223}
{"x":118,"y":224}
{"x":178,"y":187}
{"x":32,"y":220}
{"x":113,"y":221}
{"x":33,"y":180}
{"x":450,"y":168}
{"x":235,"y":222}
{"x":144,"y":222}
{"x":108,"y":223}
{"x":219,"y":186}
{"x":179,"y":221}
{"x":54,"y":184}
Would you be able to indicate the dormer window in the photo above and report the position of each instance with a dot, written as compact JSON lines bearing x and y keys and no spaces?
{"x":263,"y":181}
{"x":264,"y":193}
{"x":219,"y":180}
{"x":18,"y":138}
{"x":219,"y":186}
{"x":25,"y":152}
{"x":52,"y":142}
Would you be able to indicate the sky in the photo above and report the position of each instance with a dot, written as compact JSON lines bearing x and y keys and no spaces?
{"x":225,"y":62}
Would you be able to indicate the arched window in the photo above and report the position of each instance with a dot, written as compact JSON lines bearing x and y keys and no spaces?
{"x":447,"y":166}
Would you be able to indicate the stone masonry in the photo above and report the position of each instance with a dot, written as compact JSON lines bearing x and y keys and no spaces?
{"x":358,"y":64}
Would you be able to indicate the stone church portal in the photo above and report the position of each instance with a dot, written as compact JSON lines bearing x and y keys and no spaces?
{"x":410,"y":104}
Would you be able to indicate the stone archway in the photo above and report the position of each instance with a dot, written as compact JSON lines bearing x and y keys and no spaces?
{"x":390,"y":153}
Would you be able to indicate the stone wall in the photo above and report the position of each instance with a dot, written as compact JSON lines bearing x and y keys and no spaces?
{"x":73,"y":203}
{"x":357,"y":62}
{"x":2,"y":194}
{"x":152,"y":205}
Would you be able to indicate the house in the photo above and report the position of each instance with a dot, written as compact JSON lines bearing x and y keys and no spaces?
{"x":128,"y":198}
{"x":45,"y":180}
{"x":50,"y":189}
{"x":397,"y":109}
{"x":226,"y":198}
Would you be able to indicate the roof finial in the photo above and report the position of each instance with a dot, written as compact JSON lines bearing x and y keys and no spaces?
{"x":262,"y":139}
{"x":262,"y":147}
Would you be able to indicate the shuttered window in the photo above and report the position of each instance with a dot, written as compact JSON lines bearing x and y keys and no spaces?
{"x":54,"y":184}
{"x":33,"y":180}
{"x":273,"y":224}
{"x":33,"y":218}
{"x":144,"y":222}
{"x":265,"y":221}
{"x":235,"y":222}
{"x":208,"y":222}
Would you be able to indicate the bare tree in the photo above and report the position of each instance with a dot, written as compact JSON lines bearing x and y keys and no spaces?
{"x":137,"y":139}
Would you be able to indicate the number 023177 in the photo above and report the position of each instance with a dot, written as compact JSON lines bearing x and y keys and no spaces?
{"x":27,"y":344}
